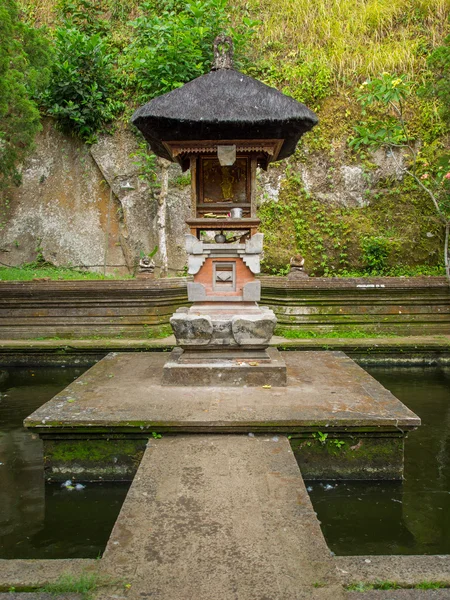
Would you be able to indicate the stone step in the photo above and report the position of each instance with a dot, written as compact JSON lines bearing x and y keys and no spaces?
{"x":220,"y":517}
{"x":411,"y":594}
{"x":38,"y":596}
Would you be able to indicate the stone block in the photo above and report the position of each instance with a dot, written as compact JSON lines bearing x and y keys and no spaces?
{"x":196,"y":292}
{"x":191,"y":328}
{"x":255,"y":244}
{"x":212,"y":370}
{"x":251,"y":292}
{"x":253,"y":262}
{"x":253,"y":329}
{"x":193,"y":245}
{"x":195,"y":263}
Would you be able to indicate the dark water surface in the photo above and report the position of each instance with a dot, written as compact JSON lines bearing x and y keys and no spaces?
{"x":48,"y":521}
{"x":412,"y":517}
{"x":38,"y":520}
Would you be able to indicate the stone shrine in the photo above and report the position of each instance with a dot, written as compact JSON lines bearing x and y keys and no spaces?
{"x":222,"y":126}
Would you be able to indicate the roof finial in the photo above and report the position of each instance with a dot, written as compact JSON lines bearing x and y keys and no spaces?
{"x":223,"y":52}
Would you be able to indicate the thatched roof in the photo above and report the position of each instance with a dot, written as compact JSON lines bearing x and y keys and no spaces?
{"x":223,"y":105}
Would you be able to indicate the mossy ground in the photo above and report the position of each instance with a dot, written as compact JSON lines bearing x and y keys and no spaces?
{"x":49,"y":272}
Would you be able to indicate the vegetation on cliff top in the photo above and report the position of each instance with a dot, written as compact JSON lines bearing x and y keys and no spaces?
{"x":111,"y":55}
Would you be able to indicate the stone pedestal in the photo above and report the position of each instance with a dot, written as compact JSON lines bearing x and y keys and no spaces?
{"x":225,"y":368}
{"x":224,"y":335}
{"x":209,"y":326}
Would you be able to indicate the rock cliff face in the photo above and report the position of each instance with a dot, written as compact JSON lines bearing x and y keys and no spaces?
{"x":90,"y":207}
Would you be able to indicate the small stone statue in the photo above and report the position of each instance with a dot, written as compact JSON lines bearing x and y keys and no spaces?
{"x":297,"y":271}
{"x":146,"y":268}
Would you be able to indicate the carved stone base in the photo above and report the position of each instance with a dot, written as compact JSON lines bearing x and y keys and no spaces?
{"x":213,"y":325}
{"x":227,"y":368}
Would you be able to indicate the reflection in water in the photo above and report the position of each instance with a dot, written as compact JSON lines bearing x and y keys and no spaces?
{"x":412,"y":517}
{"x":38,"y":521}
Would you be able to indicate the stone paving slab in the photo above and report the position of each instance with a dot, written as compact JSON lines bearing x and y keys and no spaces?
{"x":404,"y":570}
{"x":413,"y":342}
{"x":28,"y":573}
{"x":38,"y":596}
{"x":125,"y":391}
{"x":215,"y":517}
{"x":443,"y":594}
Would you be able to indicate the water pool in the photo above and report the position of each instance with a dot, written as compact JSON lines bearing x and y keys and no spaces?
{"x":39,"y":520}
{"x":410,"y":517}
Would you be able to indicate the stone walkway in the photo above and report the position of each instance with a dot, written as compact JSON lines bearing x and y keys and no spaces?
{"x":219,"y":517}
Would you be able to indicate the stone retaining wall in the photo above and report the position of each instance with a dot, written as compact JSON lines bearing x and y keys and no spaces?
{"x":404,"y":306}
{"x":140,"y":309}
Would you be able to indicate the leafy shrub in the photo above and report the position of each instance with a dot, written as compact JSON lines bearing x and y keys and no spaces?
{"x":385,"y":93}
{"x":439,"y":62}
{"x":24,"y":57}
{"x":375,"y":252}
{"x":82,"y":93}
{"x":172,"y":43}
{"x":85,"y":15}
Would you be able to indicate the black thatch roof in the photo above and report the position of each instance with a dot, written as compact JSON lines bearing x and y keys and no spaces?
{"x":223,"y":105}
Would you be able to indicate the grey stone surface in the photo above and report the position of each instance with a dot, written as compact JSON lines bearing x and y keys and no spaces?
{"x":220,"y":517}
{"x":225,"y":371}
{"x":404,"y":570}
{"x":29,"y":573}
{"x":64,"y":206}
{"x":195,"y":262}
{"x":196,"y":292}
{"x":232,"y":324}
{"x":324,"y":388}
{"x":253,"y":262}
{"x":249,"y":329}
{"x":61,"y":209}
{"x":191,"y":328}
{"x":251,"y":292}
{"x":255,"y":244}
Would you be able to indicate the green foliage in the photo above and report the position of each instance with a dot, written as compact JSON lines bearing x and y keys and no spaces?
{"x":320,"y":233}
{"x":375,"y":252}
{"x":84,"y":15}
{"x":385,"y":93}
{"x":172,"y":43}
{"x":304,"y":77}
{"x":183,"y":180}
{"x":82,"y":94}
{"x":399,"y":270}
{"x":24,"y":59}
{"x":146,"y":163}
{"x":439,"y":63}
{"x":353,"y":39}
{"x":429,"y":172}
{"x":150,"y":254}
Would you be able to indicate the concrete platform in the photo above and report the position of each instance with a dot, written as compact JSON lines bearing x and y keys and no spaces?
{"x":220,"y":517}
{"x":122,"y":399}
{"x":226,"y":369}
